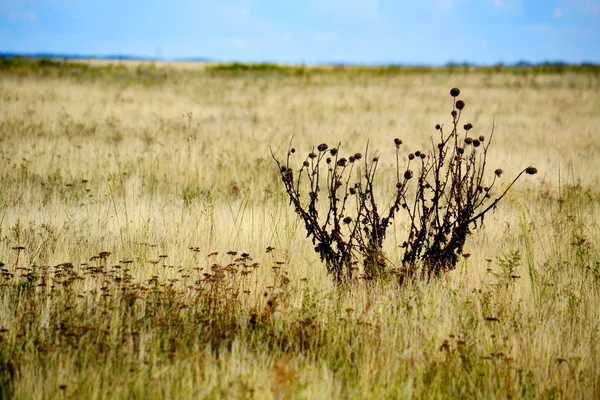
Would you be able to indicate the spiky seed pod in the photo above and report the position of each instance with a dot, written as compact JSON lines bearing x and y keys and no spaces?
{"x":498,"y":172}
{"x":333,"y":152}
{"x":476,"y":143}
{"x":454,"y":92}
{"x":408,"y":174}
{"x":468,"y":140}
{"x":481,"y":138}
{"x":468,"y":126}
{"x":460,"y":105}
{"x":347,"y":220}
{"x":322,"y":147}
{"x":397,"y":142}
{"x":438,"y":127}
{"x":411,"y":156}
{"x":531,"y":171}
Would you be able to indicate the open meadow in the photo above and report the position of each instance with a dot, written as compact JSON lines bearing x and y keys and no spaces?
{"x":148,"y":248}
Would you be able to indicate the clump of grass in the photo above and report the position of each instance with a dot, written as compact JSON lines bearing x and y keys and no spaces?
{"x":450,"y":197}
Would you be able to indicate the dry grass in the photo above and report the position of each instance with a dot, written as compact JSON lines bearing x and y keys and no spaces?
{"x":181,"y":168}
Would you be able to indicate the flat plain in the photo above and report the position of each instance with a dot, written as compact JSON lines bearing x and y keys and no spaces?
{"x":148,"y":248}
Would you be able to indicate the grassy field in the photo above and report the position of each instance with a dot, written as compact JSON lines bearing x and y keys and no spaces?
{"x":119,"y":183}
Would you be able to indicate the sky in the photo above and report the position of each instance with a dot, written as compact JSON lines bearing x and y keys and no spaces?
{"x":418,"y":32}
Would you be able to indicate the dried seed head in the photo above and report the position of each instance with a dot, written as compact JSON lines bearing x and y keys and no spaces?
{"x":468,"y":126}
{"x":375,"y":159}
{"x":468,"y":140}
{"x":454,"y":92}
{"x":398,"y":185}
{"x":438,"y":127}
{"x":322,"y":147}
{"x":481,"y":138}
{"x":408,"y":174}
{"x":454,"y":114}
{"x":422,"y":156}
{"x":498,"y":172}
{"x":352,"y":190}
{"x":357,"y":156}
{"x":460,"y":150}
{"x":333,"y":152}
{"x":312,"y":155}
{"x":397,"y":142}
{"x":460,"y":105}
{"x":347,"y":220}
{"x":411,"y":156}
{"x":305,"y":163}
{"x":328,"y":160}
{"x":476,"y":143}
{"x":418,"y":153}
{"x":292,"y":150}
{"x":342,"y":162}
{"x":283,"y":169}
{"x":531,"y":171}
{"x":351,"y":159}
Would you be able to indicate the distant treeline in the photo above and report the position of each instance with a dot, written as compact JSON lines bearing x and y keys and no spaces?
{"x":150,"y":72}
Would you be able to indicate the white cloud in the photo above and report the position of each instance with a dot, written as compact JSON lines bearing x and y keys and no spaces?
{"x":504,"y":3}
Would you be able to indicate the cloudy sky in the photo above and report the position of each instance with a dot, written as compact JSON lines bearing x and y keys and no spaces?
{"x":310,"y":31}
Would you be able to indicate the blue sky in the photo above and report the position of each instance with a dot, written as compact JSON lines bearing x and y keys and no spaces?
{"x":310,"y":31}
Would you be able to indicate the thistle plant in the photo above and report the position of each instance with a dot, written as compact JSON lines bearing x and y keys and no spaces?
{"x":450,"y":198}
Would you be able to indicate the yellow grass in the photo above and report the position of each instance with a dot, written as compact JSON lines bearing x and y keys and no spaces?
{"x":182,"y":168}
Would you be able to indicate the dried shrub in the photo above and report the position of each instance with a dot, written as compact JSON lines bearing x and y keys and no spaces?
{"x":450,"y":197}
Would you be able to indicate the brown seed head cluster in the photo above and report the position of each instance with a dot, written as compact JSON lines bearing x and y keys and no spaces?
{"x":460,"y":104}
{"x":454,"y":92}
{"x":322,"y":147}
{"x":531,"y":171}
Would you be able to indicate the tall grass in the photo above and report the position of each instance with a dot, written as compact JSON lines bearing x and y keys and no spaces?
{"x":115,"y":196}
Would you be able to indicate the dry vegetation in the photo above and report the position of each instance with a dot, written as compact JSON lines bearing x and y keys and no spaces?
{"x":148,"y":248}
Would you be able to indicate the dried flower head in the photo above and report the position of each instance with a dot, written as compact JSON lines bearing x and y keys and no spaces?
{"x":476,"y":143}
{"x":454,"y":92}
{"x":328,"y":160}
{"x":375,"y":159}
{"x":418,"y":153}
{"x":531,"y":171}
{"x":408,"y":174}
{"x":357,"y":156}
{"x":352,"y":190}
{"x":468,"y":126}
{"x":322,"y":147}
{"x":292,"y":150}
{"x":460,"y":150}
{"x":454,"y":114}
{"x":342,"y":162}
{"x":333,"y":152}
{"x":498,"y":172}
{"x":397,"y":142}
{"x":411,"y":156}
{"x":438,"y":127}
{"x":351,"y":159}
{"x":305,"y":163}
{"x":468,"y":140}
{"x":481,"y":138}
{"x":347,"y":220}
{"x":312,"y":155}
{"x":460,"y":105}
{"x":422,"y":156}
